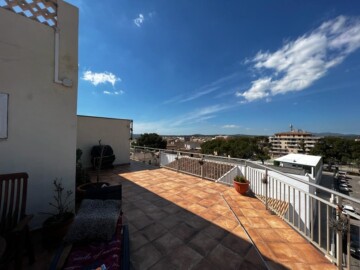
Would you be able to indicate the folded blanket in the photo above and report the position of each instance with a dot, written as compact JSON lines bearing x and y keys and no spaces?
{"x":95,"y":221}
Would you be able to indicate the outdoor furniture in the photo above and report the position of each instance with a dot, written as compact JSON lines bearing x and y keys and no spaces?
{"x":13,"y":220}
{"x":113,"y":251}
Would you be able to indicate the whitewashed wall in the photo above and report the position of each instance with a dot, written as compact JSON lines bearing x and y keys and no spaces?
{"x":166,"y":158}
{"x":41,"y":137}
{"x":113,"y":132}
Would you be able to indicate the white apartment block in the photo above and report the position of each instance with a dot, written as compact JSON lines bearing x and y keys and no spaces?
{"x":292,"y":142}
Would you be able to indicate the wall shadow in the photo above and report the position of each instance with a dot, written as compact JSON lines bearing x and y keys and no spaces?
{"x":164,"y":235}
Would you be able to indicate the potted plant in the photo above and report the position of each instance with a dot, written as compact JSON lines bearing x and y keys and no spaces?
{"x":98,"y":162}
{"x":241,"y":184}
{"x":82,"y":176}
{"x":55,"y":227}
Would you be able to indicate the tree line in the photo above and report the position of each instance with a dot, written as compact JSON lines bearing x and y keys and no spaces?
{"x":336,"y":150}
{"x":152,"y":140}
{"x":256,"y":148}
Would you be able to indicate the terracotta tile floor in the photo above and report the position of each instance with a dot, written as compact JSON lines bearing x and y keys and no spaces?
{"x":177,"y":221}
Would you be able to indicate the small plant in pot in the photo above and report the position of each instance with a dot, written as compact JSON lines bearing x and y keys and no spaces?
{"x":55,"y":227}
{"x":83,"y":188}
{"x":241,"y":184}
{"x":82,"y":176}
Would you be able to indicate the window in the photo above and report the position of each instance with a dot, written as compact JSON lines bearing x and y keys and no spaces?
{"x":3,"y":115}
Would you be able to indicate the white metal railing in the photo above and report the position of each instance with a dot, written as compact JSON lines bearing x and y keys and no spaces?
{"x":194,"y":164}
{"x":309,"y":208}
{"x":228,"y":177}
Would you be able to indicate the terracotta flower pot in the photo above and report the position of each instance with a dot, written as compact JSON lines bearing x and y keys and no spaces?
{"x":241,"y":188}
{"x":54,"y":230}
{"x":81,"y":190}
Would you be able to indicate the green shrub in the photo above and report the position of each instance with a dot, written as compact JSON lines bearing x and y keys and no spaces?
{"x":240,"y":179}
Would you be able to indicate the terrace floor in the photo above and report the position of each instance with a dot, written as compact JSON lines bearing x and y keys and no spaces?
{"x":177,"y":221}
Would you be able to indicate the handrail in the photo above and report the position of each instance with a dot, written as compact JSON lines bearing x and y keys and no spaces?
{"x":262,"y":166}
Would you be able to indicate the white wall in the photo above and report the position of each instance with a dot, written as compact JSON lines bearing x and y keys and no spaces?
{"x":166,"y":158}
{"x":113,"y":132}
{"x":41,"y":115}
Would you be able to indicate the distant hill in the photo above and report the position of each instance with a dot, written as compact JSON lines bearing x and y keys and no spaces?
{"x":331,"y":134}
{"x":322,"y":134}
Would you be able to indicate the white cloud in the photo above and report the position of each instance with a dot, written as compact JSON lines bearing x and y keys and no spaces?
{"x":200,"y":94}
{"x":99,"y":78}
{"x":119,"y":92}
{"x":173,"y":99}
{"x":215,"y":86}
{"x":230,"y":126}
{"x":139,"y":20}
{"x":257,"y":90}
{"x":199,"y":115}
{"x":299,"y":63}
{"x":181,"y":124}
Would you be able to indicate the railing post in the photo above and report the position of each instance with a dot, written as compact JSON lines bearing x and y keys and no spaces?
{"x":178,"y":163}
{"x":348,"y":243}
{"x":160,"y":154}
{"x":245,"y":170}
{"x":201,"y":167}
{"x":265,"y":181}
{"x":339,"y":249}
{"x":332,"y":246}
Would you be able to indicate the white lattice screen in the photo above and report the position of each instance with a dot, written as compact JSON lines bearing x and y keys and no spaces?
{"x":43,"y":11}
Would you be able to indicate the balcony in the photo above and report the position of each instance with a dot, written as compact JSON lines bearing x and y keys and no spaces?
{"x":186,"y":215}
{"x":300,"y":204}
{"x":179,"y":221}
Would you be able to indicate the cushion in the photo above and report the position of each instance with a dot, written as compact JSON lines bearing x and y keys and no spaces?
{"x":95,"y":221}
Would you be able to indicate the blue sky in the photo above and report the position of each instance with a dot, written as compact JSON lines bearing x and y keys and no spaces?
{"x":221,"y":67}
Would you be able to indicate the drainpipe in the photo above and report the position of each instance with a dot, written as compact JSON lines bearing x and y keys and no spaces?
{"x":65,"y":82}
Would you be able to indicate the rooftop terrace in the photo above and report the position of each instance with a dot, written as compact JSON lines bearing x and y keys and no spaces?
{"x":178,"y":221}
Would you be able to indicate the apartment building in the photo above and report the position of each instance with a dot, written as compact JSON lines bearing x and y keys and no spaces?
{"x":293,"y":141}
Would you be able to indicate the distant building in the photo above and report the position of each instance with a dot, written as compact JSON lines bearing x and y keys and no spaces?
{"x":312,"y":165}
{"x":299,"y":205}
{"x":174,"y":144}
{"x":293,"y":141}
{"x":225,"y":137}
{"x":192,"y":145}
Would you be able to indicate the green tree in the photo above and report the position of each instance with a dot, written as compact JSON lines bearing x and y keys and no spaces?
{"x":210,"y":147}
{"x":239,"y":147}
{"x":152,"y":140}
{"x":355,"y":153}
{"x":337,"y":150}
{"x":302,"y":146}
{"x":261,"y":148}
